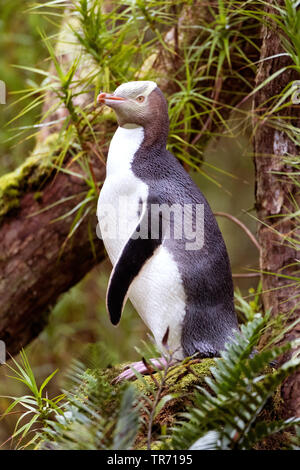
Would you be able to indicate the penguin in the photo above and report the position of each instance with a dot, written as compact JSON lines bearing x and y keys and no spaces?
{"x":176,"y":285}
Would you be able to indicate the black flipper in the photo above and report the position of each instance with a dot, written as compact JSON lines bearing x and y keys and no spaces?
{"x":138,"y":249}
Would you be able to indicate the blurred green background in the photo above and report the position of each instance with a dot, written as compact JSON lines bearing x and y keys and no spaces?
{"x":80,"y":317}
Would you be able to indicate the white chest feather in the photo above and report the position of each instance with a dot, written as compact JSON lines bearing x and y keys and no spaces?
{"x":121,"y":193}
{"x":158,"y":296}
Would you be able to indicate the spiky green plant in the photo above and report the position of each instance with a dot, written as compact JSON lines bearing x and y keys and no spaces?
{"x":85,"y":424}
{"x":37,"y":406}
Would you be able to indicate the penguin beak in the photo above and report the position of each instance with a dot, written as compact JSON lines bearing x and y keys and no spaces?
{"x":108,"y":98}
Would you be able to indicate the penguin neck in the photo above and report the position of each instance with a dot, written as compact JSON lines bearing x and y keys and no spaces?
{"x":133,"y":142}
{"x":155,"y":134}
{"x":155,"y":137}
{"x":124,"y":144}
{"x":151,"y":151}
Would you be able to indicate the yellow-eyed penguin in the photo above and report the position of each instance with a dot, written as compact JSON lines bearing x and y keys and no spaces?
{"x":167,"y":251}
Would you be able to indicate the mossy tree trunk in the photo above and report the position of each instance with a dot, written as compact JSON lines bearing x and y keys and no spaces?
{"x":36,"y":263}
{"x":277,"y":197}
{"x":34,"y":269}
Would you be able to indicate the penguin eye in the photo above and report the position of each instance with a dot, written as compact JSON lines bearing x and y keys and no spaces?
{"x":140,"y":99}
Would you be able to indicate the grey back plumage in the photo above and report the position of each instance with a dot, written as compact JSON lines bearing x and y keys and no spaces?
{"x":210,"y":317}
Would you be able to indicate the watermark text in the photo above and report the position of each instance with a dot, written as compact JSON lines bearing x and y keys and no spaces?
{"x":178,"y":222}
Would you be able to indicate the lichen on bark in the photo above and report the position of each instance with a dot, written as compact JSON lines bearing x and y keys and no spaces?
{"x":28,"y":176}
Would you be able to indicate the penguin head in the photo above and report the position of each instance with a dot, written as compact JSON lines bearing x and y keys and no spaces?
{"x":139,"y":103}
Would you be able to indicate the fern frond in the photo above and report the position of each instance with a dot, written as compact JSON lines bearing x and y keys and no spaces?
{"x":226,"y":415}
{"x":128,"y":422}
{"x":86,"y":423}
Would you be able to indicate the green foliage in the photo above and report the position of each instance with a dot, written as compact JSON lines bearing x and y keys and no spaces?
{"x":37,"y":406}
{"x":116,"y":42}
{"x":102,"y":36}
{"x":226,"y":415}
{"x":288,"y":19}
{"x":228,"y":411}
{"x":128,"y":422}
{"x":107,"y":418}
{"x":20,"y":45}
{"x":248,"y":310}
{"x":107,"y":45}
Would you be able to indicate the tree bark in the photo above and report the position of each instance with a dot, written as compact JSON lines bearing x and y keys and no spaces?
{"x":274,"y":195}
{"x":37,"y":262}
{"x":34,"y":270}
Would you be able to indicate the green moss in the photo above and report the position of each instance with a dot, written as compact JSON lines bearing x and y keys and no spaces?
{"x":277,"y":402}
{"x":38,"y":195}
{"x":27,"y":176}
{"x":96,"y":385}
{"x":190,"y":374}
{"x":181,"y":378}
{"x":156,"y":445}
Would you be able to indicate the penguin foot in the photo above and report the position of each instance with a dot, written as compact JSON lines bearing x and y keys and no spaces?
{"x":140,"y":366}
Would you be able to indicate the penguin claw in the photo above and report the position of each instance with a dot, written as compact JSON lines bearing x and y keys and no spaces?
{"x":140,"y":367}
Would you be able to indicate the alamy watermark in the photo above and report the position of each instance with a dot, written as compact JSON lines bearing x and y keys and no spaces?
{"x":2,"y":92}
{"x":2,"y":352}
{"x":179,"y":222}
